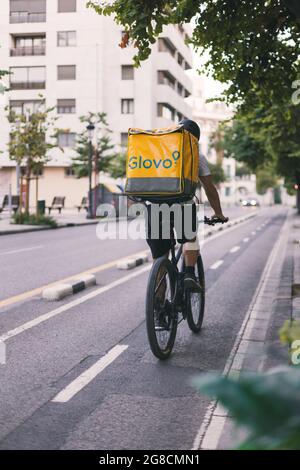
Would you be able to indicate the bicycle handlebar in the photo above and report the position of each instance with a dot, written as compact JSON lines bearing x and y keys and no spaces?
{"x":214,"y":220}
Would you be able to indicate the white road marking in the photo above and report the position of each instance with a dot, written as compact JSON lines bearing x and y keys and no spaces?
{"x":234,"y":249}
{"x":214,"y":437}
{"x":27,"y":326}
{"x":87,"y":376}
{"x":216,"y":264}
{"x":246,"y":239}
{"x":11,"y":252}
{"x":253,"y":233}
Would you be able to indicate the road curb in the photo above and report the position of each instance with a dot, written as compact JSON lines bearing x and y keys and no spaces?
{"x":131,"y":263}
{"x":218,"y":228}
{"x":60,"y":291}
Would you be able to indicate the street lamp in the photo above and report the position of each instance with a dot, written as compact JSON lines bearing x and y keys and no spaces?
{"x":90,"y":128}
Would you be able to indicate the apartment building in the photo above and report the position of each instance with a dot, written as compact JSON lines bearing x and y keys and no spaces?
{"x":71,"y":55}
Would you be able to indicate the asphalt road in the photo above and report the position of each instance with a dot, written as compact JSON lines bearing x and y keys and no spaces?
{"x":135,"y":402}
{"x":31,"y":260}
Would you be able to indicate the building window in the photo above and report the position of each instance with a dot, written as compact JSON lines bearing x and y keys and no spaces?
{"x":66,"y":106}
{"x":66,"y":139}
{"x":180,"y":59}
{"x":124,"y":139}
{"x":26,"y":78}
{"x":165,"y":45}
{"x":228,"y":171}
{"x":28,"y":45}
{"x":227,"y":191}
{"x":127,"y":72}
{"x":166,"y":78}
{"x":166,"y":111}
{"x":66,"y":6}
{"x":26,"y":106}
{"x":70,"y":172}
{"x":27,"y":11}
{"x":66,"y":72}
{"x":66,"y":38}
{"x":127,"y":106}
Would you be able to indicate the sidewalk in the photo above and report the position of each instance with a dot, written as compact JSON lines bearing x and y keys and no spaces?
{"x":68,"y":218}
{"x":258,"y":347}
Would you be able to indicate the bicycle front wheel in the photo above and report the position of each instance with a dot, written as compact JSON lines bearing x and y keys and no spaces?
{"x":161,"y":316}
{"x":195,"y":301}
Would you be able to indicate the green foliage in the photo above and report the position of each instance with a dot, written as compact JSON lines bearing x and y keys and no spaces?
{"x":102,"y":151}
{"x":239,"y":144}
{"x":242,"y":170}
{"x":33,"y":219}
{"x":265,"y":178}
{"x":252,"y":44}
{"x":290,"y":331}
{"x":31,"y":137}
{"x":117,"y":165}
{"x":267,"y":404}
{"x":28,"y":145}
{"x":217,"y":173}
{"x":254,"y":47}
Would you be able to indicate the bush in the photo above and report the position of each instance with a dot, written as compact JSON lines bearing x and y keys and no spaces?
{"x":33,"y":219}
{"x":267,"y":404}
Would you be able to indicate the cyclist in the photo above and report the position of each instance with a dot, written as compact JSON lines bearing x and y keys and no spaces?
{"x":161,"y":246}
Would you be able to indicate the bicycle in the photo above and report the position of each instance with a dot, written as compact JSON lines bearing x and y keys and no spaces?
{"x":166,"y":299}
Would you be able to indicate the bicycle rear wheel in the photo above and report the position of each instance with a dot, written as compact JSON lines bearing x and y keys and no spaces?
{"x":161,"y":317}
{"x":195,"y":301}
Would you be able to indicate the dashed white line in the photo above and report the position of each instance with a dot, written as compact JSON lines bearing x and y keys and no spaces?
{"x":87,"y":376}
{"x":11,"y":252}
{"x":245,"y":240}
{"x":234,"y":249}
{"x":217,"y":264}
{"x":254,"y":232}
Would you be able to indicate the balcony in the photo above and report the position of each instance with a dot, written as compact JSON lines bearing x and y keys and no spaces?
{"x":36,"y":85}
{"x":28,"y":50}
{"x":25,"y":17}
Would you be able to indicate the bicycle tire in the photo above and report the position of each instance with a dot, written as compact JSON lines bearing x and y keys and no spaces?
{"x":160,"y":265}
{"x":195,"y":326}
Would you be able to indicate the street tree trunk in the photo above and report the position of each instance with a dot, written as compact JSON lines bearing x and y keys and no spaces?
{"x":28,"y":177}
{"x":298,"y":200}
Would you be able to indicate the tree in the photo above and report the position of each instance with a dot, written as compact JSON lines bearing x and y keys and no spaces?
{"x":265,"y":178}
{"x":30,"y":140}
{"x":217,"y":173}
{"x":103,"y":153}
{"x":253,"y":47}
{"x":239,"y":144}
{"x":252,"y":44}
{"x":117,"y":165}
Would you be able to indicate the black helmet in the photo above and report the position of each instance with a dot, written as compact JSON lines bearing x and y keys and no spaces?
{"x":191,"y":126}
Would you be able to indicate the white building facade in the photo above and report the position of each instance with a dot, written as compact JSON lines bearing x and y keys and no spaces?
{"x":71,"y":56}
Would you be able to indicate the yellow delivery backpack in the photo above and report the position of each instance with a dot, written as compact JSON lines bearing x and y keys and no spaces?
{"x":162,"y":164}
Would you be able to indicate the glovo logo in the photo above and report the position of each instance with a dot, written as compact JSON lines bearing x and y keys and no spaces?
{"x":147,"y":163}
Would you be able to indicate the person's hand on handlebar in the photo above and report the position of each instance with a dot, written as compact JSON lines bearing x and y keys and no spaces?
{"x":220,"y":217}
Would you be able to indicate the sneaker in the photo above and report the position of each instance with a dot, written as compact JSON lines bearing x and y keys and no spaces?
{"x":191,"y":283}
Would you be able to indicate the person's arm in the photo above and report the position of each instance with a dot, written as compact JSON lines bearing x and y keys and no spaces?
{"x":212,"y":196}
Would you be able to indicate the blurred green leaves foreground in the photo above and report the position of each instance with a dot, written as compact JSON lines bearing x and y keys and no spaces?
{"x":266,"y":404}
